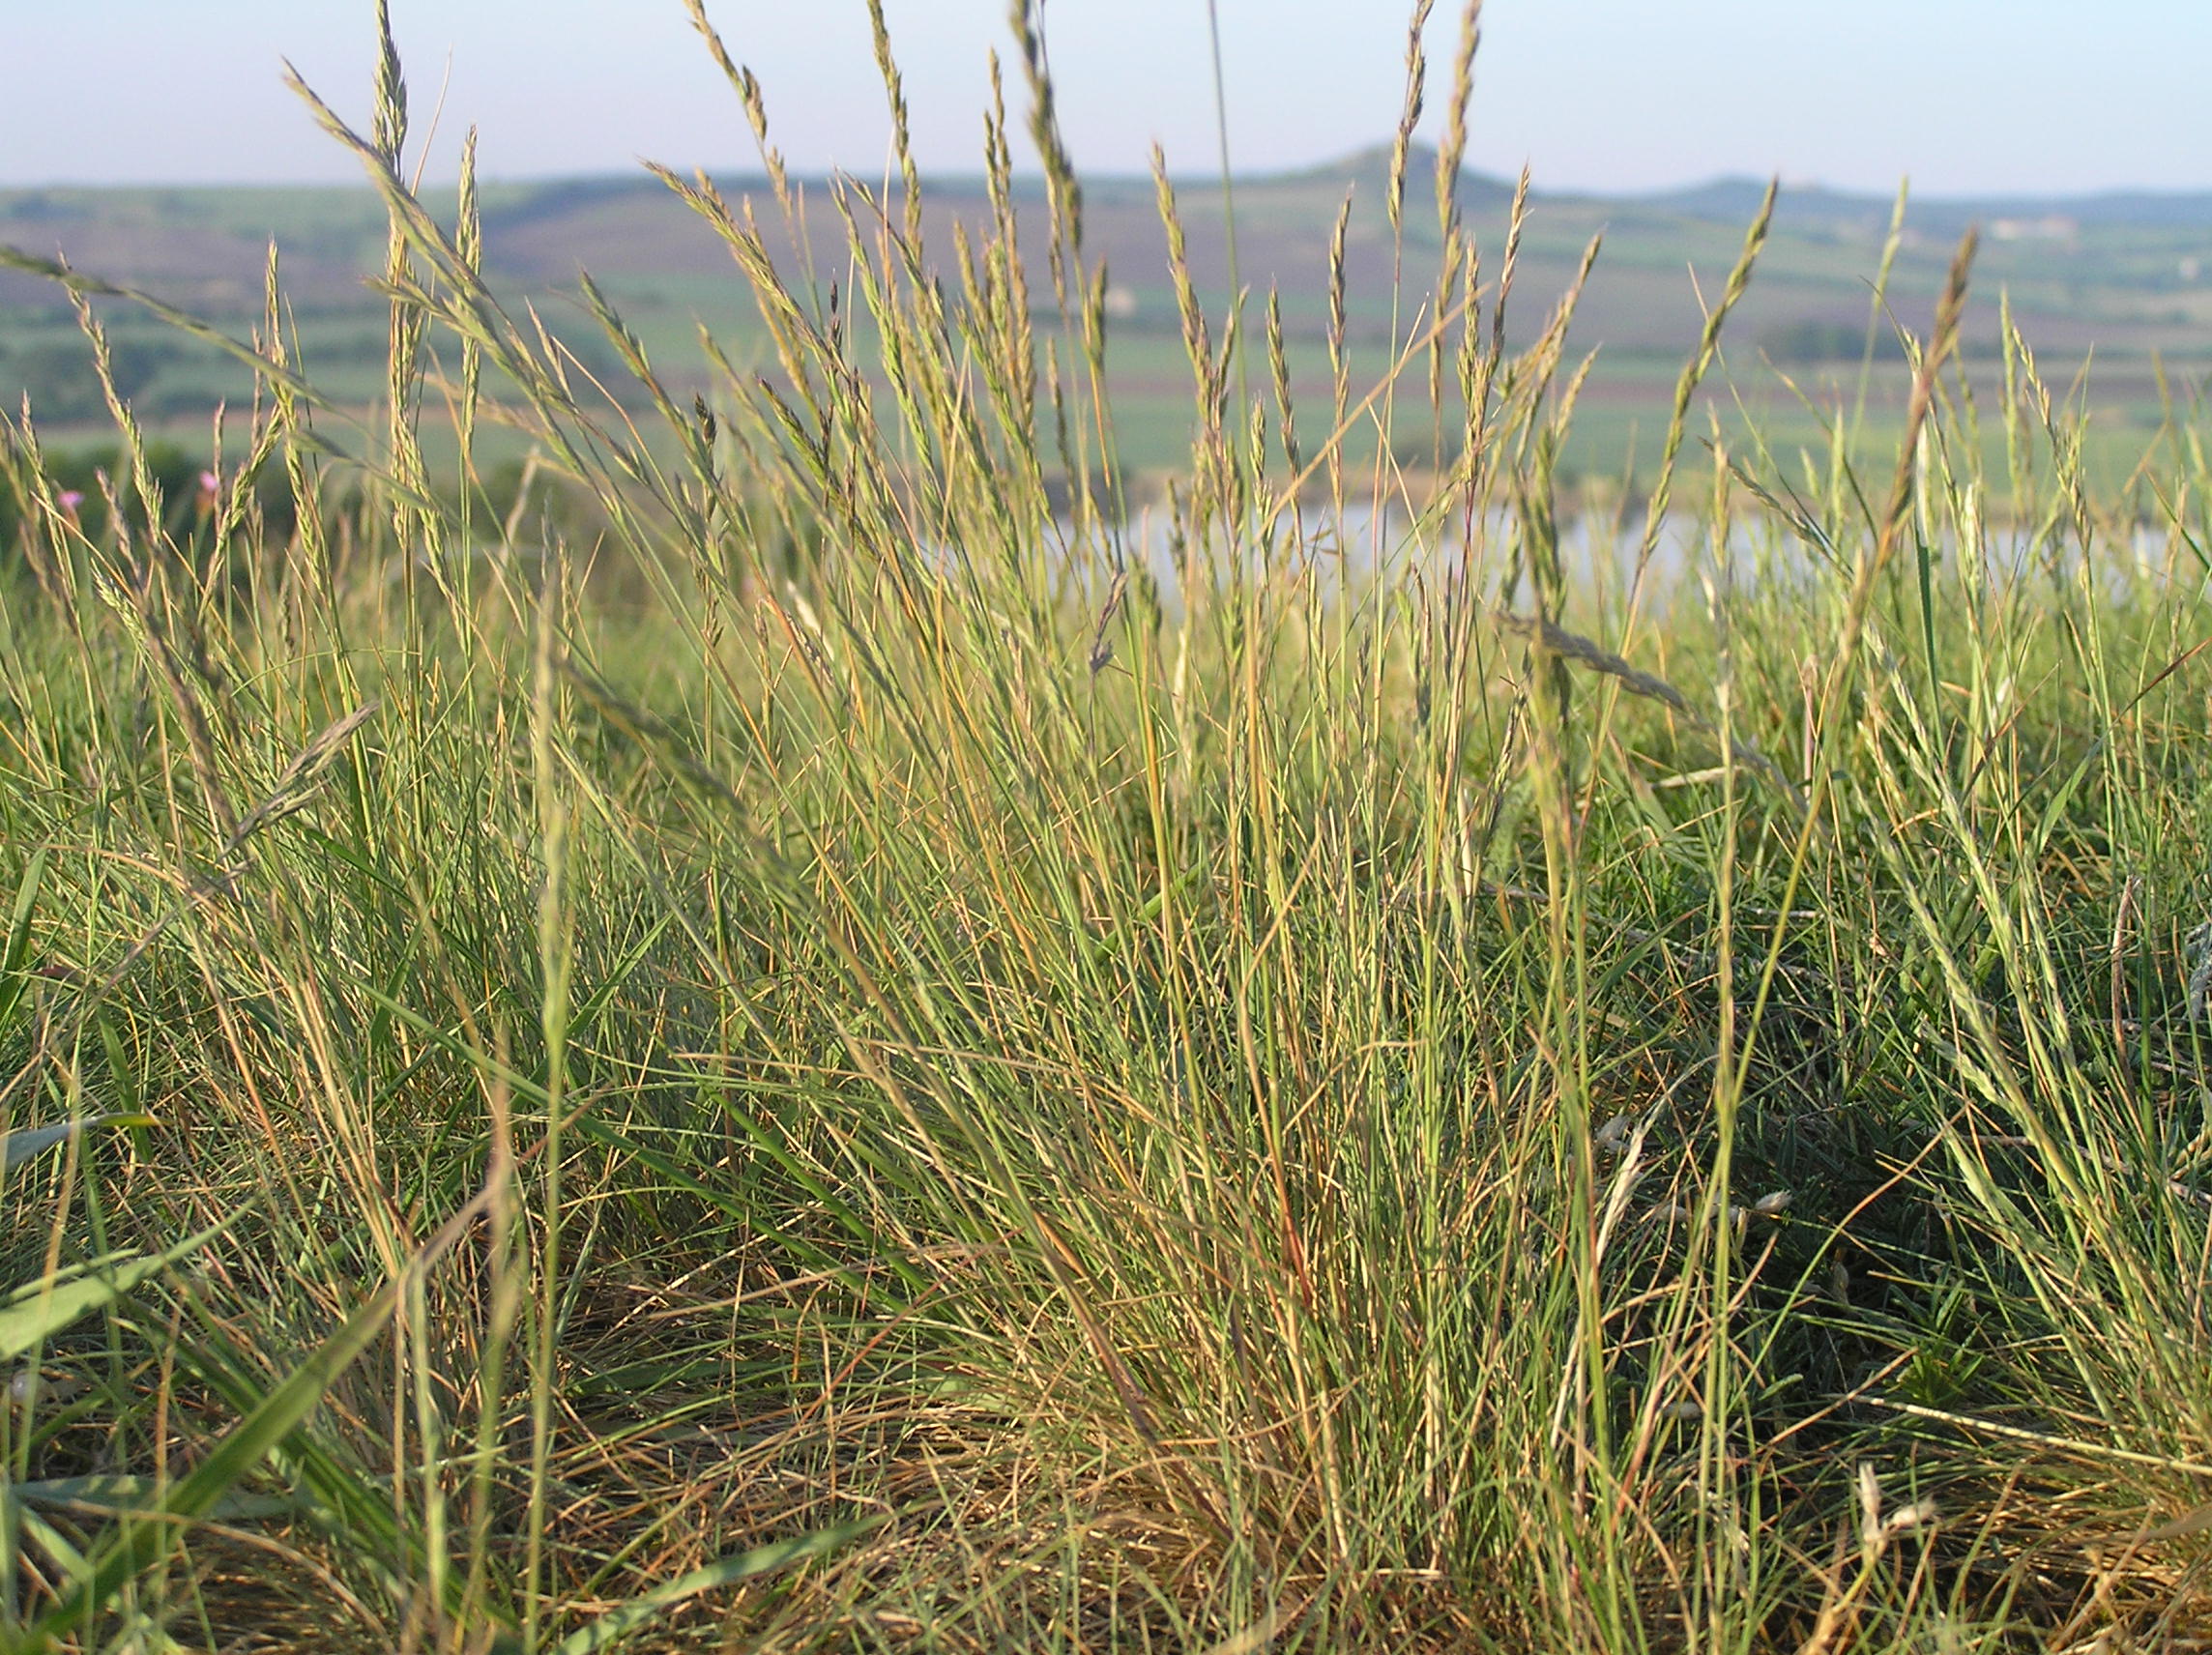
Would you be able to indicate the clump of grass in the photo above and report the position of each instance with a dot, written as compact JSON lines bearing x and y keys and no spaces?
{"x":861,"y":1061}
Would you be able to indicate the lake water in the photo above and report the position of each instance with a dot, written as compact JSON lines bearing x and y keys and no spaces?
{"x":1599,"y":560}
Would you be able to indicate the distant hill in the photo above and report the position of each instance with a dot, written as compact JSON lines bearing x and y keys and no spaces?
{"x":2126,"y":273}
{"x":208,"y":246}
{"x":1737,"y":198}
{"x":1370,"y":169}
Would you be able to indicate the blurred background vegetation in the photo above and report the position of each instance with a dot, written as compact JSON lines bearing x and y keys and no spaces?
{"x":2126,"y":279}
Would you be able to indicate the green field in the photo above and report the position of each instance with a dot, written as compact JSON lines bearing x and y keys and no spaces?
{"x":2119,"y":285}
{"x":700,"y":1016}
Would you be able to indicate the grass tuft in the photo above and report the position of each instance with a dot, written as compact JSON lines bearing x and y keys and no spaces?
{"x":820,"y":1031}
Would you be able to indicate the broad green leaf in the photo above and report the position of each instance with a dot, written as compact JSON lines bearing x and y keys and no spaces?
{"x":56,"y":1546}
{"x":123,"y":1495}
{"x":16,"y":949}
{"x":648,"y":1607}
{"x":45,"y":1308}
{"x":142,"y":1539}
{"x":19,"y":1146}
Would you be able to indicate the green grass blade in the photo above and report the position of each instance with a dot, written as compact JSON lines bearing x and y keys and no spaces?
{"x":37,"y":1312}
{"x":142,"y":1540}
{"x":641,"y":1611}
{"x":15,"y":953}
{"x":16,"y":1148}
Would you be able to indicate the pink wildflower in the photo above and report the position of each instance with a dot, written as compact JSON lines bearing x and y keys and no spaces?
{"x":70,"y":499}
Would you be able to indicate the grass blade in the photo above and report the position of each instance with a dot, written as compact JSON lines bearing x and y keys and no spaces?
{"x":641,"y":1611}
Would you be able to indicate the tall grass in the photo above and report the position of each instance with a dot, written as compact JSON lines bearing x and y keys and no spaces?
{"x":812,"y":1053}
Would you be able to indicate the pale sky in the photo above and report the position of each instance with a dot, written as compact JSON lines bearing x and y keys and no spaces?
{"x":1964,"y":96}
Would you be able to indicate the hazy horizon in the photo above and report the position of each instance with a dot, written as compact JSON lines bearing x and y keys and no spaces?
{"x":1197,"y":176}
{"x":1968,"y":99}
